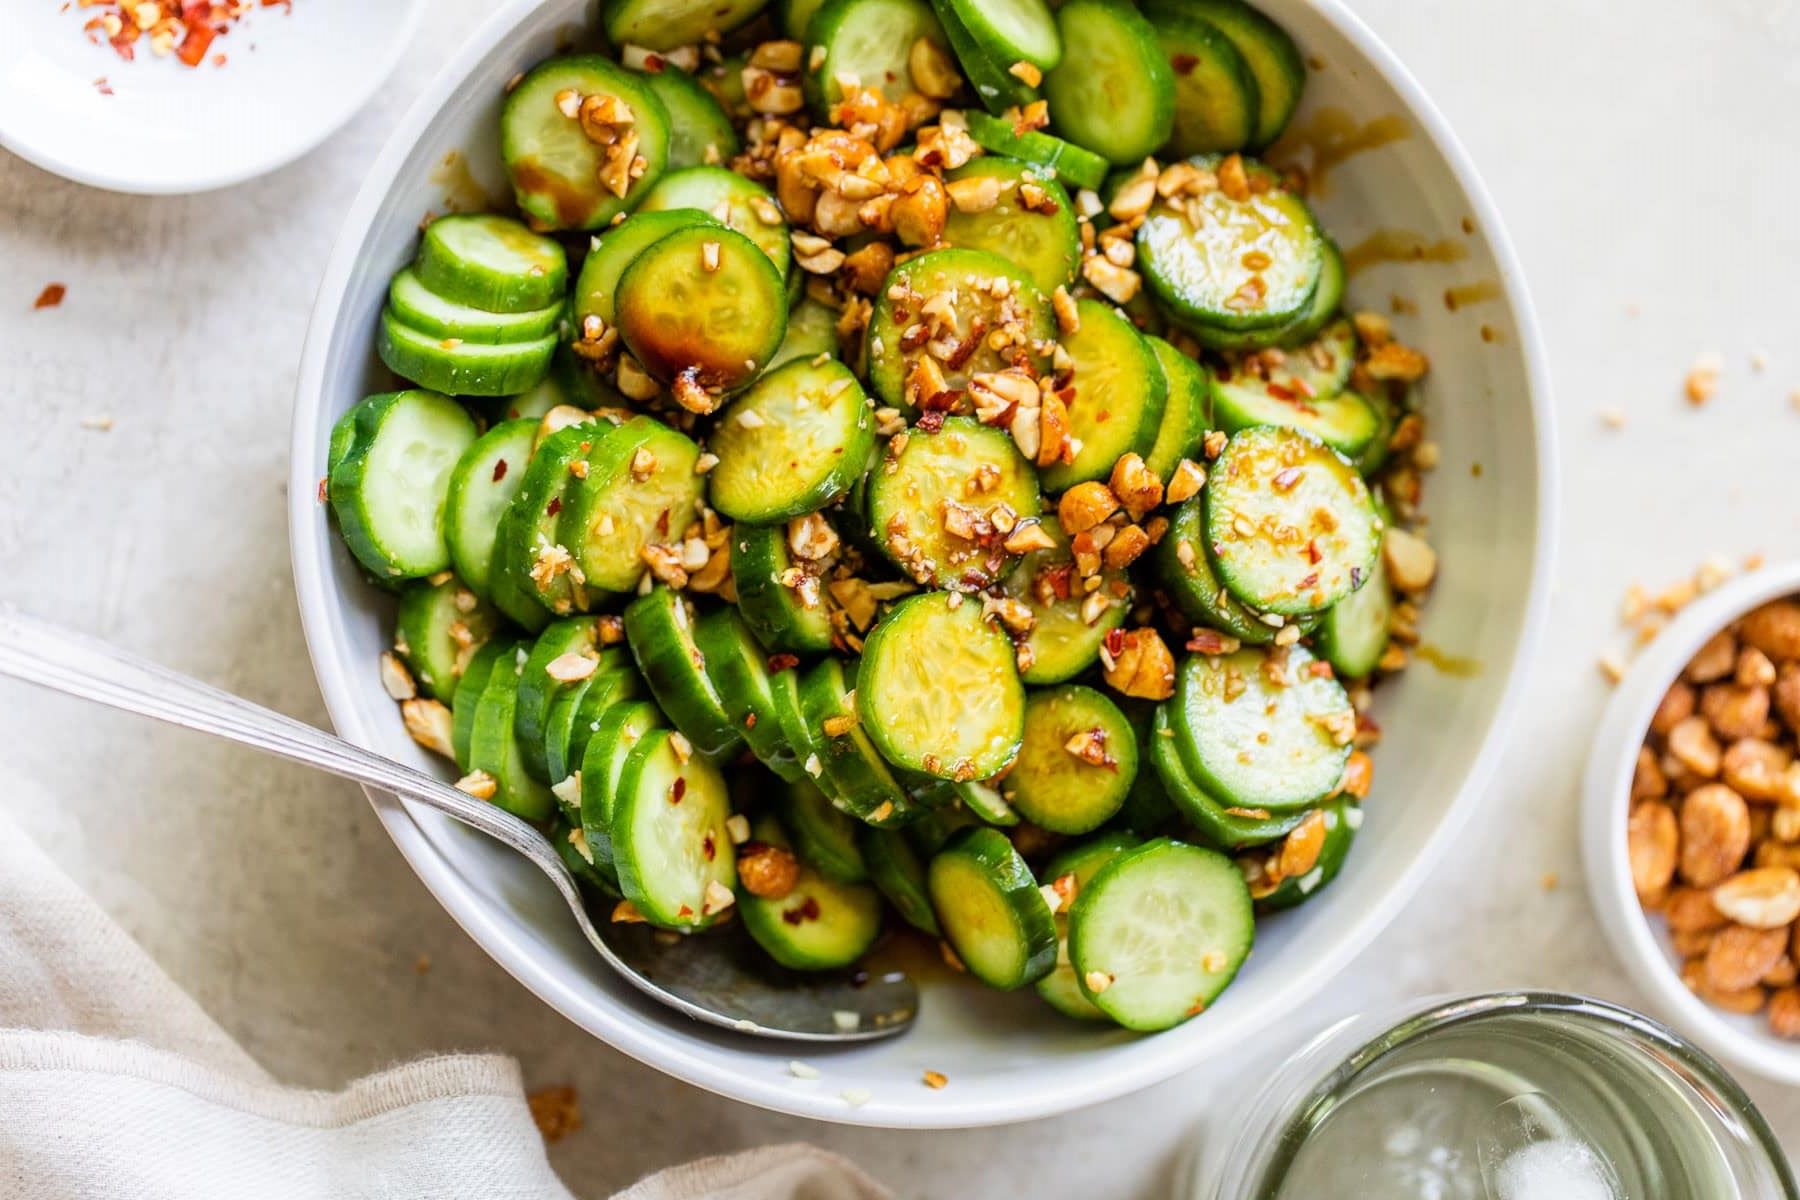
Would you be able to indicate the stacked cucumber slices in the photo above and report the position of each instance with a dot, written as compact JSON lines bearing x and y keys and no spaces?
{"x":913,"y":476}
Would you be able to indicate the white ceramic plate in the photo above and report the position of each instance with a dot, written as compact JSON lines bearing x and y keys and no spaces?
{"x":290,"y":79}
{"x":1008,"y":1057}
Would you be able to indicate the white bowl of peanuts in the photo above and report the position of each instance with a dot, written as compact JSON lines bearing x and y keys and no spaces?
{"x":1691,"y":825}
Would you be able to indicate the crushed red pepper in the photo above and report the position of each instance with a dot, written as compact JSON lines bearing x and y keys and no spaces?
{"x":51,"y":296}
{"x":184,"y":28}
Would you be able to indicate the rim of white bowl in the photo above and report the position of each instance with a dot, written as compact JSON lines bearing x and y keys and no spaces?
{"x":320,"y":614}
{"x":1606,"y":789}
{"x":98,"y":176}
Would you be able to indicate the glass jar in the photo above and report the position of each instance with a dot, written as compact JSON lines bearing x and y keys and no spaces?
{"x":1512,"y":1096}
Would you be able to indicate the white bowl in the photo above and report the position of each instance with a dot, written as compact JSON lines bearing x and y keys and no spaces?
{"x":290,"y":79}
{"x":1642,"y":945}
{"x":1008,"y":1057}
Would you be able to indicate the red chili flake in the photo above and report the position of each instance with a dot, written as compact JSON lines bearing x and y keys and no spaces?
{"x":1115,"y":642}
{"x":1318,"y":668}
{"x":194,"y":46}
{"x":1310,"y":581}
{"x":1207,"y":641}
{"x":782,"y":662}
{"x":653,"y":64}
{"x":662,"y":522}
{"x":103,"y":87}
{"x":499,"y":470}
{"x":323,"y":494}
{"x":684,"y":911}
{"x":932,"y":421}
{"x":809,"y":911}
{"x":1279,"y":392}
{"x":749,"y":720}
{"x":707,"y":849}
{"x":1060,"y":580}
{"x":1183,"y":63}
{"x":1312,"y":551}
{"x":554,"y":507}
{"x":51,"y":296}
{"x":678,"y":789}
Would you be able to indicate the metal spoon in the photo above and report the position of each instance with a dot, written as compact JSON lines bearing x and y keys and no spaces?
{"x":717,"y":977}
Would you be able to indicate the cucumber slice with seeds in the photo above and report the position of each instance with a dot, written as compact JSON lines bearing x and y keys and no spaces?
{"x":1119,"y":396}
{"x":1184,"y":422}
{"x":1254,"y":264}
{"x":1327,"y":299}
{"x":557,"y":170}
{"x":1062,"y":642}
{"x":1076,"y":762}
{"x":792,"y":443}
{"x":437,"y":629}
{"x":597,"y":287}
{"x":811,"y":331}
{"x":1255,"y":743}
{"x":1216,"y":823}
{"x":824,"y":836}
{"x":426,"y":311}
{"x":489,"y":263}
{"x":640,"y":490}
{"x":1113,"y":92}
{"x":699,"y":131}
{"x":855,"y":776}
{"x":870,"y":41}
{"x":1217,"y":102}
{"x":666,"y":24}
{"x":1041,"y":238}
{"x":1163,"y":928}
{"x":603,"y":766}
{"x":1305,"y":391}
{"x":703,"y":306}
{"x":1078,"y":864}
{"x":820,"y":925}
{"x":459,"y":367}
{"x":742,"y":204}
{"x":895,"y":870}
{"x":482,"y":485}
{"x":389,"y":483}
{"x":990,"y":909}
{"x":1354,"y":633}
{"x":939,"y":691}
{"x":531,"y":573}
{"x":494,"y":747}
{"x":660,"y":630}
{"x":1289,"y":522}
{"x":1074,"y":166}
{"x":911,"y":491}
{"x":970,"y":278}
{"x":1267,"y":50}
{"x":1186,"y":572}
{"x":669,"y":841}
{"x":777,"y":613}
{"x":1340,"y":820}
{"x":737,"y":666}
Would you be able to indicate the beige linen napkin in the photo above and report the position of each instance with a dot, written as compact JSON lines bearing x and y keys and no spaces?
{"x":114,"y":1085}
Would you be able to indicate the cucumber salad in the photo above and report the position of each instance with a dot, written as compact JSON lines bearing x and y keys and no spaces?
{"x":904,"y":463}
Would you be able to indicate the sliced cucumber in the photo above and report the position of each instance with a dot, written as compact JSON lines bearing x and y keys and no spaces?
{"x":1354,"y":634}
{"x":1113,"y":92}
{"x":1217,"y":102}
{"x":1009,"y":32}
{"x":896,"y":871}
{"x":1218,"y":825}
{"x":669,"y":841}
{"x":558,"y":172}
{"x":1308,"y":371}
{"x":571,"y":846}
{"x":494,"y":747}
{"x":791,"y":444}
{"x":1076,"y":762}
{"x":533,"y":572}
{"x":704,"y":307}
{"x":438,"y":628}
{"x":576,"y":710}
{"x":1042,"y":239}
{"x":793,"y":16}
{"x":1253,"y":264}
{"x":1184,"y":415}
{"x":996,"y":84}
{"x":597,"y":287}
{"x":939,"y":689}
{"x":1326,"y":302}
{"x":936,"y":826}
{"x":1289,"y":522}
{"x":742,"y":204}
{"x":640,"y":490}
{"x":448,"y":364}
{"x":1267,"y":50}
{"x":869,"y":41}
{"x":482,"y":485}
{"x":429,"y":313}
{"x":824,"y":836}
{"x":990,"y":909}
{"x":1305,"y":391}
{"x":1374,"y":456}
{"x":912,"y":490}
{"x":1162,"y":930}
{"x":1062,"y":642}
{"x":660,"y":629}
{"x":666,"y":24}
{"x":391,"y":478}
{"x":467,"y":700}
{"x":969,"y":278}
{"x":777,"y":613}
{"x":1119,"y":396}
{"x":699,"y":131}
{"x":811,"y":331}
{"x":538,"y":689}
{"x":855,"y":776}
{"x":820,"y":925}
{"x":1340,"y":820}
{"x":492,"y":264}
{"x":1074,"y":166}
{"x":603,"y":766}
{"x":1255,"y":728}
{"x":737,"y":666}
{"x":1060,"y":989}
{"x":1186,"y":571}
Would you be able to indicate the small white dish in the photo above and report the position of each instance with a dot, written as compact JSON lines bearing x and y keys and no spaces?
{"x":155,"y":126}
{"x":1639,"y":942}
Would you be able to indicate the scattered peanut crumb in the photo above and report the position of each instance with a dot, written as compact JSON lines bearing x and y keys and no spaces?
{"x":422,"y":965}
{"x":1702,"y":382}
{"x":936,"y":1079}
{"x":800,"y":1070}
{"x":1613,"y":418}
{"x":98,"y":423}
{"x":51,"y":296}
{"x":1550,"y":881}
{"x":556,"y":1111}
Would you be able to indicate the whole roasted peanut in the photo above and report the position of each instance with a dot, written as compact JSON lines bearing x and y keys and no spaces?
{"x":1676,"y":706}
{"x":1782,"y":974}
{"x":1734,"y":710}
{"x":1740,"y":956}
{"x":1652,"y":839}
{"x":1774,"y":629}
{"x":1753,"y":669}
{"x":1715,"y":834}
{"x":1786,"y":695}
{"x":1694,"y":746}
{"x":1647,"y":780}
{"x":1784,"y":1012}
{"x":1691,"y":910}
{"x":1761,"y":898}
{"x":767,"y":871}
{"x":1714,"y":660}
{"x":1753,"y":767}
{"x":920,"y":211}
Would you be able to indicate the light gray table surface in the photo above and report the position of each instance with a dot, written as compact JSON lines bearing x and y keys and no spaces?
{"x":1646,"y":160}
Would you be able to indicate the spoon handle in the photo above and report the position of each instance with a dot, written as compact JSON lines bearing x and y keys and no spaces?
{"x":49,"y":656}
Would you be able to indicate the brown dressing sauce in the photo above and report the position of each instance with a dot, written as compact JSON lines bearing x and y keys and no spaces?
{"x":1332,"y":135}
{"x":910,"y":951}
{"x":1401,"y":246}
{"x":1471,"y":293}
{"x":1450,"y":664}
